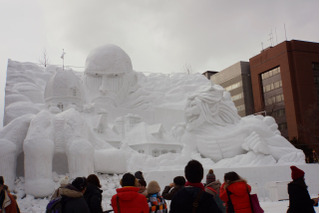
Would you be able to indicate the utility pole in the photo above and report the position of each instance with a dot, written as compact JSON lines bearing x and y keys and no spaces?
{"x":275,"y":31}
{"x":271,"y":39}
{"x":62,"y":56}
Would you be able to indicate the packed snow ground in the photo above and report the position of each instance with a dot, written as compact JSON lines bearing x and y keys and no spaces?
{"x":109,"y":183}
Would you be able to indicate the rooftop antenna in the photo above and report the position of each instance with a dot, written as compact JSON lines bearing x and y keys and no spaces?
{"x":271,"y":38}
{"x":62,"y":56}
{"x":285,"y":31}
{"x":275,"y":31}
{"x":262,"y":45}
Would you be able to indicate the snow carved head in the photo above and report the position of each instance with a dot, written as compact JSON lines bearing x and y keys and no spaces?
{"x":213,"y":106}
{"x":109,"y":74}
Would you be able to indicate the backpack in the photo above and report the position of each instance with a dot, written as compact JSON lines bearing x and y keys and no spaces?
{"x":55,"y":206}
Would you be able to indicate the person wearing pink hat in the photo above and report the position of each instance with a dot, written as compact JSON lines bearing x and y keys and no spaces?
{"x":299,"y":198}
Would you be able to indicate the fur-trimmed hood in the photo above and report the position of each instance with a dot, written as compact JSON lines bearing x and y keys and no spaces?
{"x":70,"y":191}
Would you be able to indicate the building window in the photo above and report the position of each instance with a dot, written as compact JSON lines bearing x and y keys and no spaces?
{"x":233,"y":86}
{"x":315,"y":69}
{"x":237,"y":97}
{"x":283,"y":127}
{"x":274,"y":99}
{"x":279,"y":113}
{"x":268,"y":74}
{"x":240,"y":107}
{"x":272,"y":87}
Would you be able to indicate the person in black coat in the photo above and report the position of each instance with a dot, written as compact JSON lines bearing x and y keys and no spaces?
{"x":93,"y":194}
{"x":170,"y":190}
{"x":299,"y":198}
{"x":193,"y":198}
{"x":72,"y":197}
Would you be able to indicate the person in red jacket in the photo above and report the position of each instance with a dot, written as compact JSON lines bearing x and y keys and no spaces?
{"x":8,"y":203}
{"x":236,"y":190}
{"x":128,"y":199}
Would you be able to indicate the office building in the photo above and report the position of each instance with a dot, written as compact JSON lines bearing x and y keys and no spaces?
{"x":236,"y":79}
{"x":285,"y":84}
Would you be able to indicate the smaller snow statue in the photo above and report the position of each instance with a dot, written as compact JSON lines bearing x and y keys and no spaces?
{"x":58,"y":138}
{"x":215,"y":130}
{"x":64,"y":90}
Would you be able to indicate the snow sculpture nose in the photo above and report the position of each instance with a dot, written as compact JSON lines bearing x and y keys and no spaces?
{"x":104,"y":85}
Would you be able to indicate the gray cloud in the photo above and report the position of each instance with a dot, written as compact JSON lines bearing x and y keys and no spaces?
{"x":164,"y":36}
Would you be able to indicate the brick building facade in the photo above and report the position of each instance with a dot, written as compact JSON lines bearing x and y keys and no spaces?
{"x":285,"y":84}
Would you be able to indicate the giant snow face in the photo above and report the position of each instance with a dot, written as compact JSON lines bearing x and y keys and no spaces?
{"x":108,"y":75}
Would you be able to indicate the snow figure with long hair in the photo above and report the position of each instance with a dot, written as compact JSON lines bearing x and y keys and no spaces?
{"x":215,"y":130}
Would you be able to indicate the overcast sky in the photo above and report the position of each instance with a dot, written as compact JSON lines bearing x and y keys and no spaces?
{"x":159,"y":35}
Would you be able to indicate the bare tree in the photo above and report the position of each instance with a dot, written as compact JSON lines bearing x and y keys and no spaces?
{"x":188,"y":68}
{"x":44,"y":60}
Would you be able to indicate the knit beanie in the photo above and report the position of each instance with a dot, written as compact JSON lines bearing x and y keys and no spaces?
{"x":210,"y":177}
{"x":64,"y":181}
{"x":296,"y":173}
{"x":153,"y":187}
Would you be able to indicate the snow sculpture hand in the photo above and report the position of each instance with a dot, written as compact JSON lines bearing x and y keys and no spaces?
{"x":255,"y":143}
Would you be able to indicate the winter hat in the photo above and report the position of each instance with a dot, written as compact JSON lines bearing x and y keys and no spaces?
{"x":64,"y":181}
{"x":210,"y":177}
{"x":296,"y":173}
{"x":80,"y":183}
{"x":194,"y":171}
{"x":153,"y":187}
{"x":179,"y":180}
{"x":128,"y":180}
{"x":1,"y":181}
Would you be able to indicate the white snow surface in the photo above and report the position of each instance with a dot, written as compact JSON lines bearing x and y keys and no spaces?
{"x":88,"y":122}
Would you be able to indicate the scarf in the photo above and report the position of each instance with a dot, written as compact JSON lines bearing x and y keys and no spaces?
{"x":198,"y":185}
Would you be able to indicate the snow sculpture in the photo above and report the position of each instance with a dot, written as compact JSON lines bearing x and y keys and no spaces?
{"x":153,"y":139}
{"x":57,"y":122}
{"x":216,"y":131}
{"x":64,"y":90}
